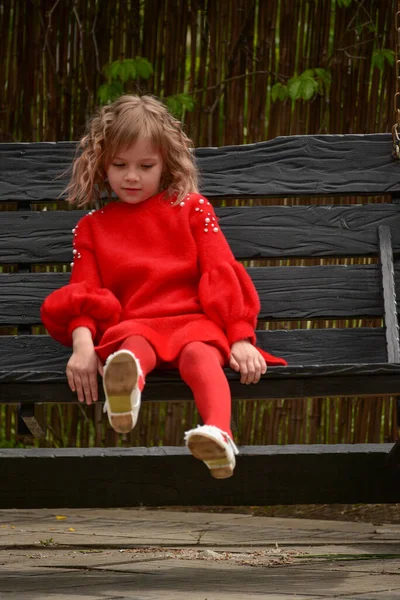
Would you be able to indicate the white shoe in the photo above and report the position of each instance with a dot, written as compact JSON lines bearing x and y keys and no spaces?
{"x":121,"y":382}
{"x":214,"y":447}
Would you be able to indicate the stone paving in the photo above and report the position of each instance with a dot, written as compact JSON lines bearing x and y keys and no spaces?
{"x":140,"y":554}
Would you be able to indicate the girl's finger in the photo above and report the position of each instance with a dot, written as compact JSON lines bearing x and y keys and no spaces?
{"x":87,"y":388}
{"x":233,"y":363}
{"x":243,"y":372}
{"x":251,"y":370}
{"x":100,"y":367}
{"x":79,"y":388}
{"x":70,"y":379}
{"x":263,"y":366}
{"x":93,"y":386}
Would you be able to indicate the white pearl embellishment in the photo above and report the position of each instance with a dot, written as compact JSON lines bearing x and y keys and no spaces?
{"x":201,"y":201}
{"x":197,"y":209}
{"x":207,"y":220}
{"x":215,"y":230}
{"x":73,"y":231}
{"x":74,"y":251}
{"x":182,"y":204}
{"x":206,"y":230}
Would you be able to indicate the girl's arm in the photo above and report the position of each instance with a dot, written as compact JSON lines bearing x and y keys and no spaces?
{"x":83,"y":302}
{"x":227,"y":293}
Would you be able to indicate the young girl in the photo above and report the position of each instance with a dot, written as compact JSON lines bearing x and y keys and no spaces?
{"x":154,"y":282}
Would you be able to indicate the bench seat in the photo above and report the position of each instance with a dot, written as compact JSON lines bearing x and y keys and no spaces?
{"x":327,"y":277}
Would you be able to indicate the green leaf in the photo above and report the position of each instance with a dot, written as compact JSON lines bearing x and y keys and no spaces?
{"x":308,"y":88}
{"x":130,"y":70}
{"x":186,"y":100}
{"x":389,"y":55}
{"x":178,"y":102}
{"x":108,"y":92}
{"x":173,"y":106}
{"x":307,"y":73}
{"x":117,"y":70}
{"x":107,"y":70}
{"x":283,"y":93}
{"x":103,"y":93}
{"x":123,"y":70}
{"x":344,"y":3}
{"x":324,"y":75}
{"x":279,"y":91}
{"x":275,"y":91}
{"x":294,"y":85}
{"x":143,"y":67}
{"x":378,"y":59}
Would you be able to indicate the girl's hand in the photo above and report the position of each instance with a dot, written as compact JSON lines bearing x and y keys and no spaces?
{"x":83,"y":366}
{"x":82,"y":369}
{"x":247,"y":359}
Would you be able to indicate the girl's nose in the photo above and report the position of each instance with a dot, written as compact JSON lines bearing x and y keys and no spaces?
{"x":131,"y":175}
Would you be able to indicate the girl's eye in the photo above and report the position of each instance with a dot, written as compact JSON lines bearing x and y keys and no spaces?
{"x":147,"y":166}
{"x":118,"y":164}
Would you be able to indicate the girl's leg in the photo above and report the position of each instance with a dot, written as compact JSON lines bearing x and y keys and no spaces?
{"x":124,"y":378}
{"x":200,"y":366}
{"x":143,"y":351}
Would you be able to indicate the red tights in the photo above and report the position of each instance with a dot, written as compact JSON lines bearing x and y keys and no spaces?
{"x":200,"y":366}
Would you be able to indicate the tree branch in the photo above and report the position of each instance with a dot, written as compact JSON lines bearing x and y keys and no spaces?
{"x":82,"y":49}
{"x":96,"y":48}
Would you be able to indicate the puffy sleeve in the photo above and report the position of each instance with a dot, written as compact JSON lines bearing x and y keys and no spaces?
{"x":83,"y":302}
{"x":226,"y":291}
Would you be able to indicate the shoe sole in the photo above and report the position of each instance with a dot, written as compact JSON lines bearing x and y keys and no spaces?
{"x":209,"y":451}
{"x":120,"y":378}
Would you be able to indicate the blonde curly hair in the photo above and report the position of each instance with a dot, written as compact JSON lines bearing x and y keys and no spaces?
{"x":119,"y":125}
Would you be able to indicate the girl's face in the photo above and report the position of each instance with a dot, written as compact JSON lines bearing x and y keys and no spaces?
{"x":135,"y":173}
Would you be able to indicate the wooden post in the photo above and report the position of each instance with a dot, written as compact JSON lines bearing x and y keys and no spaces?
{"x":389,"y":295}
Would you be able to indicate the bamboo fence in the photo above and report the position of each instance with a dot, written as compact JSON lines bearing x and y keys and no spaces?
{"x":228,"y":55}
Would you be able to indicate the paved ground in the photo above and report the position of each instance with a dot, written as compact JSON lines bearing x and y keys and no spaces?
{"x":140,"y":554}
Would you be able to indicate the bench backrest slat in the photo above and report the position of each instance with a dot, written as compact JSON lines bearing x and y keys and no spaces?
{"x":296,"y":165}
{"x":259,"y":231}
{"x":285,"y":292}
{"x":42,"y":359}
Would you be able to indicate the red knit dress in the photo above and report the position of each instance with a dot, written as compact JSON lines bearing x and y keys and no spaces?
{"x":158,"y":270}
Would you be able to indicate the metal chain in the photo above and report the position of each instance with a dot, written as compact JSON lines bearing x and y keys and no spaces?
{"x":396,"y":126}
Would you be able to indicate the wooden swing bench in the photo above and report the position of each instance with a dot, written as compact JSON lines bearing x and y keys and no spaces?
{"x":358,"y":361}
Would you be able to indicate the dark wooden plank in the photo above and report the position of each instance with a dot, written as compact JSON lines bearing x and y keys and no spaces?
{"x":56,"y":478}
{"x":259,"y":231}
{"x":37,"y":237}
{"x":41,"y":354}
{"x":22,"y":295}
{"x":279,"y":382}
{"x":295,"y":165}
{"x":334,"y":291}
{"x":389,"y":294}
{"x":28,"y":359}
{"x":285,"y":292}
